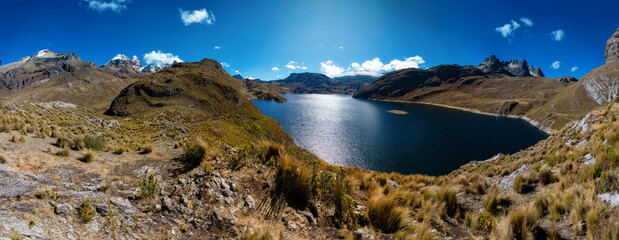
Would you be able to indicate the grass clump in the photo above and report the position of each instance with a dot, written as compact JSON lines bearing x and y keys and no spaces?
{"x":120,"y":150}
{"x":385,"y":214}
{"x":147,"y":149}
{"x":195,"y":152}
{"x":293,"y":182}
{"x":63,"y":153}
{"x":86,"y":212}
{"x":449,"y":202}
{"x":95,"y":143}
{"x":521,"y":224}
{"x":88,"y":156}
{"x":149,"y":187}
{"x":494,"y":203}
{"x":546,"y":176}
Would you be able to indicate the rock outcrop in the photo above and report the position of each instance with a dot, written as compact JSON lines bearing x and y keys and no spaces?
{"x":602,"y":84}
{"x":612,"y":48}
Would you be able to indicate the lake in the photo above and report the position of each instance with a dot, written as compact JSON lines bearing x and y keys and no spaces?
{"x":399,"y":137}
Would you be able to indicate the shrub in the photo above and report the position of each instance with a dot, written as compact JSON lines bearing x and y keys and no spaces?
{"x":147,"y":149}
{"x":386,"y":215}
{"x":94,"y":143}
{"x":149,"y":187}
{"x":86,"y":212}
{"x":195,"y":152}
{"x":88,"y":157}
{"x":482,"y":222}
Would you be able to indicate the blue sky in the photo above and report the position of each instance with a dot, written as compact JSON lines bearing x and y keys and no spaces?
{"x":335,"y":37}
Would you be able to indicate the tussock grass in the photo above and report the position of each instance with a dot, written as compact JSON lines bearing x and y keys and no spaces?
{"x":195,"y":152}
{"x":63,"y":153}
{"x":292,"y":180}
{"x":88,"y":157}
{"x":386,"y":214}
{"x":147,"y":149}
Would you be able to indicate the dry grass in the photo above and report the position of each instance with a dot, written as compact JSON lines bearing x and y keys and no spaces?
{"x":386,"y":214}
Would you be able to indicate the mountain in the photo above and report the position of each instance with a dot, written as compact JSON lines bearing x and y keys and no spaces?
{"x":320,"y":83}
{"x":502,"y":88}
{"x":49,"y":76}
{"x":238,"y":76}
{"x":122,"y":66}
{"x":511,"y":68}
{"x":352,"y":78}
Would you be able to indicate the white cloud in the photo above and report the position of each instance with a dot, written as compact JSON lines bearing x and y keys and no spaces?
{"x":330,"y":69}
{"x":197,"y":16}
{"x":574,"y":69}
{"x":103,"y":5}
{"x":373,"y":67}
{"x":225,"y":64}
{"x":555,"y":65}
{"x":341,"y":47}
{"x":527,"y":21}
{"x":294,"y":65}
{"x":216,"y":47}
{"x":237,"y":72}
{"x":161,"y":59}
{"x":557,"y":35}
{"x":275,"y":69}
{"x":509,"y":29}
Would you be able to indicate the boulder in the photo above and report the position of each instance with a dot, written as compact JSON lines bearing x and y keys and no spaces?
{"x":63,"y":208}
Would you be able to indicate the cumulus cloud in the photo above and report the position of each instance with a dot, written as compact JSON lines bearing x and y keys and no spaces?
{"x":341,"y":47}
{"x":295,"y":65}
{"x":330,"y":69}
{"x":555,"y":65}
{"x":574,"y":69}
{"x":225,"y":64}
{"x":557,"y":35}
{"x":104,"y":5}
{"x":509,"y":29}
{"x":374,"y":67}
{"x":275,"y":69}
{"x":527,"y":21}
{"x":161,"y":59}
{"x":216,"y":47}
{"x":197,"y":16}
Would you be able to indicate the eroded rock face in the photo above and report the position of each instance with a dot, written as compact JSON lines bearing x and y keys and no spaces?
{"x":602,"y":84}
{"x":612,"y":48}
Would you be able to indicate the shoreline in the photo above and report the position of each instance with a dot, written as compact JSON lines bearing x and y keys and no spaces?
{"x":534,"y":123}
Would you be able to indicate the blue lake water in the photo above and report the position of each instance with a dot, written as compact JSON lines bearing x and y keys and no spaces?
{"x":428,"y":140}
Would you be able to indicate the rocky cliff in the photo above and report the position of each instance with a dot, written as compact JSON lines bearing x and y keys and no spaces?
{"x":602,"y":84}
{"x":511,"y":68}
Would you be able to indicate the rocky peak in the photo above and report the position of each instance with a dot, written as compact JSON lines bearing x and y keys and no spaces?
{"x":513,"y":67}
{"x":121,"y":65}
{"x":612,"y":48}
{"x":491,"y":65}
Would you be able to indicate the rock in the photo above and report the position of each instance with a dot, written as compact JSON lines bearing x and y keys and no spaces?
{"x":361,"y":234}
{"x":309,"y":216}
{"x":123,"y":205}
{"x":568,"y":79}
{"x":102,"y":208}
{"x":63,"y":209}
{"x":218,"y":213}
{"x":612,"y":48}
{"x":166,"y":203}
{"x":291,"y":225}
{"x":612,"y":198}
{"x":250,"y":202}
